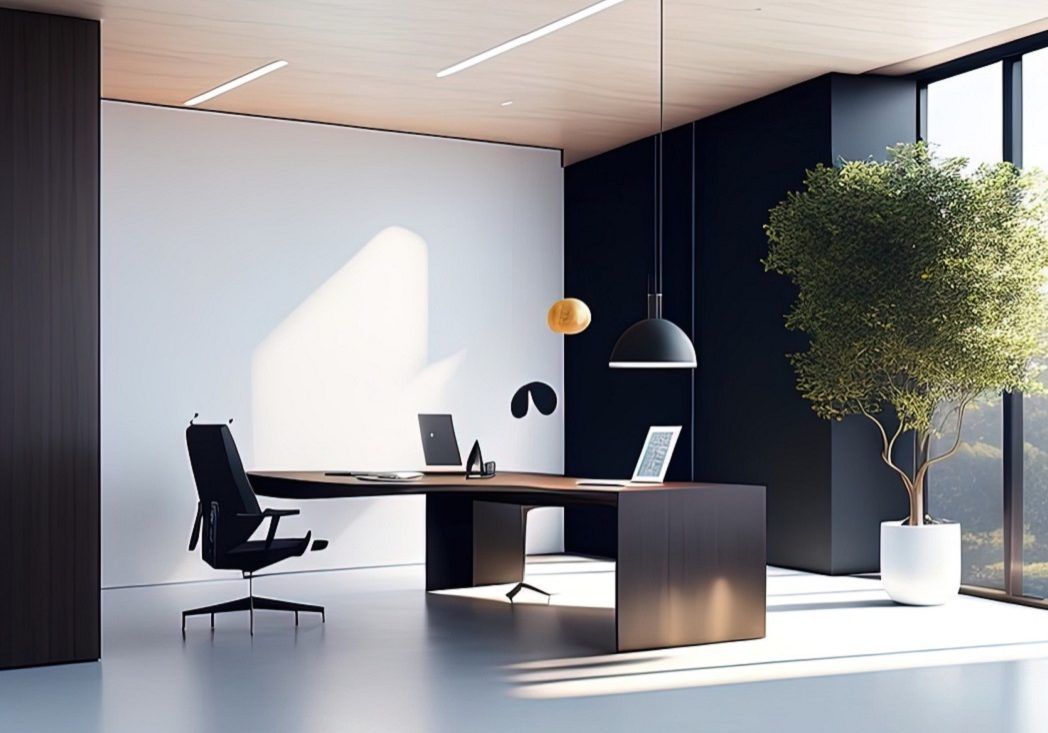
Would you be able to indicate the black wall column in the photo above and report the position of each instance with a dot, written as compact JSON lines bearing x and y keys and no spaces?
{"x":49,"y":389}
{"x":752,"y":423}
{"x":827,"y":490}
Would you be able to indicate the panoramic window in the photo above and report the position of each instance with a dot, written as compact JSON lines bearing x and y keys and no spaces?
{"x":965,"y":118}
{"x":965,"y":115}
{"x":1035,"y":407}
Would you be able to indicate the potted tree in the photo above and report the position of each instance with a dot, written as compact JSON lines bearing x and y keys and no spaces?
{"x":921,"y":286}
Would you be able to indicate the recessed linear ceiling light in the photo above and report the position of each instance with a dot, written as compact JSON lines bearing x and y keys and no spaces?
{"x":529,"y":37}
{"x":234,"y":83}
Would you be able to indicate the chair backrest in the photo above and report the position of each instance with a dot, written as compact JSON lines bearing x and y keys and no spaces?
{"x":224,"y":491}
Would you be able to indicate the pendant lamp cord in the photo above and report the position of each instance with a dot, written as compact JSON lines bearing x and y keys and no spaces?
{"x":659,"y":163}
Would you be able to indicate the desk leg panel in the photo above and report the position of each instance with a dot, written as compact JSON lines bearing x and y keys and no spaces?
{"x":691,"y":567}
{"x":471,"y":543}
{"x":498,"y":543}
{"x":449,"y":542}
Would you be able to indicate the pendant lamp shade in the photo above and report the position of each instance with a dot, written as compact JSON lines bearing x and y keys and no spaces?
{"x":653,"y":343}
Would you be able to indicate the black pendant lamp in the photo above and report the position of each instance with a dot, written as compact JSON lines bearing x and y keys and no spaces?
{"x":655,"y":343}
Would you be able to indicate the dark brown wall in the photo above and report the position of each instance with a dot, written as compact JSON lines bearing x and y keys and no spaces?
{"x":49,"y":393}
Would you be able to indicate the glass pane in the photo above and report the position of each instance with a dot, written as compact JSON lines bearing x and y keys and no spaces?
{"x":965,"y":117}
{"x":1035,"y":407}
{"x":1035,"y":110}
{"x":968,"y":488}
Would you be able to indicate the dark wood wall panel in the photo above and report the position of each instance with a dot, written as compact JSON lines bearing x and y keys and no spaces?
{"x":49,"y":331}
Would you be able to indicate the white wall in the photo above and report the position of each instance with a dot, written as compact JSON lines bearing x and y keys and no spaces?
{"x":320,"y":285}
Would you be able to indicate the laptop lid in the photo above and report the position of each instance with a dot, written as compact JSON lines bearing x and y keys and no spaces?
{"x":438,"y":440}
{"x":655,"y":456}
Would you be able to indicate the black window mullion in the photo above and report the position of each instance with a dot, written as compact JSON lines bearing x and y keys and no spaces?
{"x":1013,"y":110}
{"x":1013,"y":401}
{"x":921,"y":455}
{"x":922,"y":112}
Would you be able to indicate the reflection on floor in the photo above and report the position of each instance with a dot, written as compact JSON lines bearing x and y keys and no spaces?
{"x":838,"y":657}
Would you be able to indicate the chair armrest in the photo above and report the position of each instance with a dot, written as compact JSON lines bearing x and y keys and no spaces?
{"x":280,"y":512}
{"x":270,"y":513}
{"x":194,"y":537}
{"x":274,"y":516}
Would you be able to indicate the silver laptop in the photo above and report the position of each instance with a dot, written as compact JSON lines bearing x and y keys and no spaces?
{"x":653,"y":462}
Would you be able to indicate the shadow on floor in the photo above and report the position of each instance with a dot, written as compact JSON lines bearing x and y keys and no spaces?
{"x":454,"y":617}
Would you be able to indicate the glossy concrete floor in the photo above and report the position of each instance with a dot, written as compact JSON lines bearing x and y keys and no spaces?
{"x":838,"y":657}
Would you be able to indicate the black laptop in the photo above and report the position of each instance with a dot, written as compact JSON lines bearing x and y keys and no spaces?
{"x":438,"y":441}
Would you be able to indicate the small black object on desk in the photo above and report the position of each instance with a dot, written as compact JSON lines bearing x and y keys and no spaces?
{"x":475,"y":465}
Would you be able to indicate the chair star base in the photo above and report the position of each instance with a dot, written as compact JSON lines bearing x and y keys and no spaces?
{"x":252,"y":603}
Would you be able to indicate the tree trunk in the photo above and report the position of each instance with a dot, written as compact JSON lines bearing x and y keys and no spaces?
{"x":917,"y":502}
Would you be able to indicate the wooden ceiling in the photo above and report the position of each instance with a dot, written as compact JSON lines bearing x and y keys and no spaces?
{"x":585,"y":89}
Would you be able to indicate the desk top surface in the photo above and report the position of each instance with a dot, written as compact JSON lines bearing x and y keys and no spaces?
{"x":319,"y":484}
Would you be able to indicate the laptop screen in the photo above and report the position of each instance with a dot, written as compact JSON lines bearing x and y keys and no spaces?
{"x":438,"y":440}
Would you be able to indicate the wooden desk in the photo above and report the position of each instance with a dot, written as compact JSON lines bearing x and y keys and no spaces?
{"x":691,"y":560}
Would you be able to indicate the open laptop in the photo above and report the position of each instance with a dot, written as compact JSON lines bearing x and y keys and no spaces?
{"x":653,"y":462}
{"x":439,"y":443}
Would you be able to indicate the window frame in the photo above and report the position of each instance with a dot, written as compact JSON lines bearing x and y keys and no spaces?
{"x":1010,"y":56}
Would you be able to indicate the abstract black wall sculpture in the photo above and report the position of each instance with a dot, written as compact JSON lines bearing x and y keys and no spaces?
{"x":541,"y":394}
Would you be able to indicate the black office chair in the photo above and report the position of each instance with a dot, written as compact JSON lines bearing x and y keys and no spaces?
{"x":228,"y":513}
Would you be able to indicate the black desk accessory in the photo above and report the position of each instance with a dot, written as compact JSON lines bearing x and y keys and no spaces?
{"x":475,"y":465}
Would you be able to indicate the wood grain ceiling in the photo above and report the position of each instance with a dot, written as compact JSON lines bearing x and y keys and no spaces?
{"x":585,"y":89}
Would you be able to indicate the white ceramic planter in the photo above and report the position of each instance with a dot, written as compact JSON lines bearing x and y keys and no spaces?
{"x":921,"y":566}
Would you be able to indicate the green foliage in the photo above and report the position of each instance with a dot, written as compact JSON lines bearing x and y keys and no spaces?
{"x":919,"y":285}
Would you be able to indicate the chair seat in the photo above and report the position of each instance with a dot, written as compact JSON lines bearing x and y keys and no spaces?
{"x":253,"y":554}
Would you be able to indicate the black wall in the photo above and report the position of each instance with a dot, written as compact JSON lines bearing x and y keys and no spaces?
{"x":49,"y":410}
{"x":753,"y":425}
{"x":869,"y":114}
{"x":827,"y":491}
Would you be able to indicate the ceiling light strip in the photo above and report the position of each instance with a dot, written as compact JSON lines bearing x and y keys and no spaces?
{"x":234,"y":83}
{"x":529,"y":37}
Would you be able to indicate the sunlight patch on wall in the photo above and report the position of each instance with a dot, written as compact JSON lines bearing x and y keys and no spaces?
{"x":338,"y":383}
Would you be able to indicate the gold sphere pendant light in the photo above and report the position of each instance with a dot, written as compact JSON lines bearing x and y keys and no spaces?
{"x":568,"y":316}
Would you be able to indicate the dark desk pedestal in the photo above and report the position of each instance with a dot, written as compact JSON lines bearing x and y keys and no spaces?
{"x":690,"y":568}
{"x":471,"y":543}
{"x":691,"y":565}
